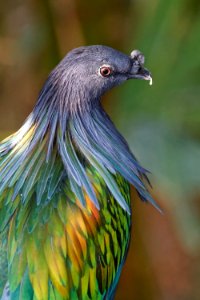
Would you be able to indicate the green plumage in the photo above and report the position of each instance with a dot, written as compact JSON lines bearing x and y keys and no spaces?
{"x":57,"y":249}
{"x":65,"y":212}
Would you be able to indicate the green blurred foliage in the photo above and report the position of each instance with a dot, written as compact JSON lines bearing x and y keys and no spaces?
{"x":161,"y":122}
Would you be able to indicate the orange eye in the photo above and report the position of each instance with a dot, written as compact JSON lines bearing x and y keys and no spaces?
{"x":105,"y":71}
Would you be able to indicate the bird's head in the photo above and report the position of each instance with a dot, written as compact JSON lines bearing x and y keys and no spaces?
{"x":88,"y":72}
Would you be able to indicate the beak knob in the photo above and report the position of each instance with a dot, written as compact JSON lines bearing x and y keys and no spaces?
{"x":137,"y":55}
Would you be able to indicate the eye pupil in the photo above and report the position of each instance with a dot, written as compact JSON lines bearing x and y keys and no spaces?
{"x":105,"y":71}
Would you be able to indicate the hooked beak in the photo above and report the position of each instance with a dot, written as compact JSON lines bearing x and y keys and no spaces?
{"x":142,"y":73}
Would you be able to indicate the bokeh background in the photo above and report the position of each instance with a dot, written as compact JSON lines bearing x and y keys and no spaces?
{"x":161,"y":123}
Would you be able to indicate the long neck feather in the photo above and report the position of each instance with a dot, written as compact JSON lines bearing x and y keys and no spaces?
{"x":56,"y":142}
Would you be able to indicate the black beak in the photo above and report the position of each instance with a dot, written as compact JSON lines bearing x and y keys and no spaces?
{"x":141,"y":73}
{"x":138,"y":71}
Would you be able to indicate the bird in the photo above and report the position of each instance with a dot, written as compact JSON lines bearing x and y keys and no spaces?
{"x":65,"y":177}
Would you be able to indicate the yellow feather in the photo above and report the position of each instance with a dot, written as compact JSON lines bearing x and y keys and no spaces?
{"x":83,"y":244}
{"x":63,"y":244}
{"x":100,"y":237}
{"x":107,"y":243}
{"x":56,"y":265}
{"x":38,"y":271}
{"x":84,"y":282}
{"x":73,"y":251}
{"x":92,"y":282}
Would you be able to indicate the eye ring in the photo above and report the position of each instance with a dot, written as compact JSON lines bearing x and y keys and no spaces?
{"x":105,"y":71}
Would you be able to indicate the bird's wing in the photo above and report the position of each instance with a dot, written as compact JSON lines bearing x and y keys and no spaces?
{"x":58,"y":248}
{"x":66,"y":251}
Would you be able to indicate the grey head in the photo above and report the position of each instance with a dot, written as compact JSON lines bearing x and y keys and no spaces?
{"x":91,"y":71}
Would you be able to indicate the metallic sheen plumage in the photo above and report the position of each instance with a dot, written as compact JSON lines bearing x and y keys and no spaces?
{"x":65,"y":214}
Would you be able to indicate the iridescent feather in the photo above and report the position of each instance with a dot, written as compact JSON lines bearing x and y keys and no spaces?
{"x":65,"y":213}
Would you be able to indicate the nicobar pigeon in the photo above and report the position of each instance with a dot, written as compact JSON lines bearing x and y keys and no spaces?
{"x":65,"y":175}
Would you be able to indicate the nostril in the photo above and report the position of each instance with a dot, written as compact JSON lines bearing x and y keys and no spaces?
{"x":140,"y":69}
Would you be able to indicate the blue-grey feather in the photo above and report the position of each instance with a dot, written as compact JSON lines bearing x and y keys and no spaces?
{"x":69,"y":120}
{"x":44,"y":178}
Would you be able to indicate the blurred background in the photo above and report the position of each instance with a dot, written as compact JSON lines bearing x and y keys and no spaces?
{"x":161,"y":123}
